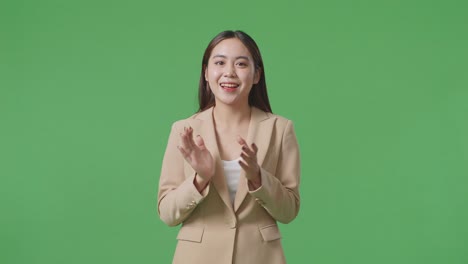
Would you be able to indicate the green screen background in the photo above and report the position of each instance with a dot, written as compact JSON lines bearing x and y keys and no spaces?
{"x":377,"y":90}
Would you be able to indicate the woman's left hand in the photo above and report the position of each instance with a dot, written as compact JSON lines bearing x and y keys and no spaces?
{"x":249,"y":164}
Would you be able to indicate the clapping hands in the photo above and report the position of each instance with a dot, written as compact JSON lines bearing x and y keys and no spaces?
{"x":249,"y":163}
{"x":198,"y":156}
{"x":194,"y":151}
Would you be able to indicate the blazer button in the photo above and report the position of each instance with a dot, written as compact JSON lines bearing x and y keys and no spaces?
{"x":232,"y":225}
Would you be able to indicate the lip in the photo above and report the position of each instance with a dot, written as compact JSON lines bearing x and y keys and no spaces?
{"x":233,"y":86}
{"x":229,"y":90}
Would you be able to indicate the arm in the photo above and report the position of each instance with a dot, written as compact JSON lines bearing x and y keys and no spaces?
{"x":279,"y":194}
{"x":178,"y":196}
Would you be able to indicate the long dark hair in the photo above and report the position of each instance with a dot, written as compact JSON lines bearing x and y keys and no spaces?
{"x":258,"y":96}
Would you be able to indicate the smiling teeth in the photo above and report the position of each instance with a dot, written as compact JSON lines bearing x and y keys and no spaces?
{"x":229,"y":85}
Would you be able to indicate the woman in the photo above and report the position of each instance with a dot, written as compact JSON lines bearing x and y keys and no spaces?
{"x":231,"y":171}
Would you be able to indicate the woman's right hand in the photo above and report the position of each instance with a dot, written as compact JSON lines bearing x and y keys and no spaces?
{"x":198,"y":156}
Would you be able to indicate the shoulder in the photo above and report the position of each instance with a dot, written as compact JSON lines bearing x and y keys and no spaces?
{"x":283,"y":127}
{"x":192,"y":120}
{"x":280,"y":121}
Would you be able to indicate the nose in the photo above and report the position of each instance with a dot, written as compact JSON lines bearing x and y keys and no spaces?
{"x":229,"y":71}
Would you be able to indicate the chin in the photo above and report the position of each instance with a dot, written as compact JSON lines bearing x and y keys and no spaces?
{"x":231,"y":102}
{"x":226,"y":102}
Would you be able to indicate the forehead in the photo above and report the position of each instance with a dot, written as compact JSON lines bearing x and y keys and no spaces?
{"x":232,"y":47}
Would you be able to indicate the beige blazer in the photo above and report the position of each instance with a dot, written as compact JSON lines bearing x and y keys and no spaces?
{"x":213,"y":229}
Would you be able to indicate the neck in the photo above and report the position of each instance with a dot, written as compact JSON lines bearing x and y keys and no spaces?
{"x":226,"y":116}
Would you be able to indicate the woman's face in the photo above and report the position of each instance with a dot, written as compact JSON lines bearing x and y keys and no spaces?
{"x":231,"y":72}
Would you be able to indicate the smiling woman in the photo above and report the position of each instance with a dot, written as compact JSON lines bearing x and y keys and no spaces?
{"x":231,"y":170}
{"x":231,"y":72}
{"x":249,"y":53}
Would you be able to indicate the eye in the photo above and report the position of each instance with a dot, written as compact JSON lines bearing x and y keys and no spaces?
{"x":219,"y":62}
{"x":242,"y":64}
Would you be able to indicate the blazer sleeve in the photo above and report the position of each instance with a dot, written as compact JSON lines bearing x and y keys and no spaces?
{"x":279,"y":194}
{"x":177,"y":196}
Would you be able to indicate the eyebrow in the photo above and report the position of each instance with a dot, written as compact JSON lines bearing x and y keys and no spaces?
{"x":224,"y":57}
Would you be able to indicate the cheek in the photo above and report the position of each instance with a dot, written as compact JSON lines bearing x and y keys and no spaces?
{"x":213,"y":74}
{"x":247,"y":76}
{"x":212,"y":79}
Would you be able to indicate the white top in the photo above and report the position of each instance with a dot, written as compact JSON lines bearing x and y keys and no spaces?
{"x":232,"y":171}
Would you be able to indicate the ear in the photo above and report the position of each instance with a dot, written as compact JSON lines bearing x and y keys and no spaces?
{"x":206,"y":73}
{"x":258,"y":73}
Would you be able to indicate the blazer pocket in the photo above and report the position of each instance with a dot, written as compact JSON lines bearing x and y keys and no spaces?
{"x":270,"y":232}
{"x":191,"y":233}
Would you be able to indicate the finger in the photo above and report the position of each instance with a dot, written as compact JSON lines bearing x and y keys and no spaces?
{"x":241,"y":141}
{"x":248,"y":160}
{"x":200,"y":142}
{"x":190,"y":137}
{"x":244,"y":165}
{"x":184,"y":141}
{"x":184,"y":153}
{"x":248,"y":151}
{"x":255,"y":148}
{"x":246,"y":168}
{"x":245,"y":159}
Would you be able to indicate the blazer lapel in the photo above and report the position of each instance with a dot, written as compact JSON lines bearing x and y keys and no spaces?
{"x":260,"y":130}
{"x":207,"y":131}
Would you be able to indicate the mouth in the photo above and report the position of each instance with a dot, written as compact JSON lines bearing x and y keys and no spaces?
{"x":229,"y":86}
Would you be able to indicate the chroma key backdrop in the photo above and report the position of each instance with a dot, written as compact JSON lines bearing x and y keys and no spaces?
{"x":377,"y":91}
